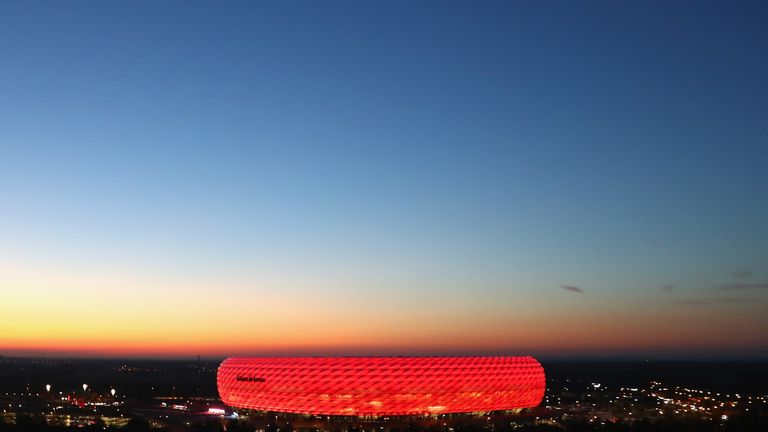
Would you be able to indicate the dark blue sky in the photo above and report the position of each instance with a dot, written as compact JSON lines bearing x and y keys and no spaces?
{"x":483,"y":154}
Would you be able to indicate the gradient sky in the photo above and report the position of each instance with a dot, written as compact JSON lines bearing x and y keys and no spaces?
{"x":548,"y":178}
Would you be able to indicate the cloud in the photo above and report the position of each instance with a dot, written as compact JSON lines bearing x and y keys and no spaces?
{"x":715,"y":300}
{"x":733,"y":300}
{"x":572,"y":288}
{"x":742,"y":286}
{"x":742,"y":273}
{"x":691,"y":302}
{"x":667,"y":288}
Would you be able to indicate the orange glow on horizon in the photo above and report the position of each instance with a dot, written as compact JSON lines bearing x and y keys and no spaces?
{"x":78,"y":318}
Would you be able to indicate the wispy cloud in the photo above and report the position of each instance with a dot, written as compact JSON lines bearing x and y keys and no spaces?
{"x":733,"y":300}
{"x":742,"y":286}
{"x":742,"y":273}
{"x":572,"y":288}
{"x":716,"y":300}
{"x":691,"y":302}
{"x":667,"y":288}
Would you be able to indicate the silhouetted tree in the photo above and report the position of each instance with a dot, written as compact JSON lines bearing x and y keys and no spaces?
{"x":469,"y":425}
{"x":137,"y":424}
{"x":751,"y":422}
{"x":26,"y":423}
{"x":209,"y":426}
{"x":541,"y":428}
{"x":239,"y":426}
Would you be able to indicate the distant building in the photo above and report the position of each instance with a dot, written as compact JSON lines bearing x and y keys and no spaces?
{"x":381,"y":386}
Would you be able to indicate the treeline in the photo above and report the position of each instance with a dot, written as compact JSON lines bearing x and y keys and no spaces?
{"x":746,"y":423}
{"x":35,"y":423}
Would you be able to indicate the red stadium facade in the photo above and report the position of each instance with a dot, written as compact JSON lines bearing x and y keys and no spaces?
{"x":377,"y":386}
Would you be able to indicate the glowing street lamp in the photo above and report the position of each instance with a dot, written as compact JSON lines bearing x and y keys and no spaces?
{"x":113,"y":391}
{"x":48,"y":388}
{"x":85,"y":387}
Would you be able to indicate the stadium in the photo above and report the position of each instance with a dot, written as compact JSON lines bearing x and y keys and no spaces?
{"x":381,"y":386}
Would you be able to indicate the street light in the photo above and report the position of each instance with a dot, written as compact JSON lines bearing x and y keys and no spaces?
{"x":113,"y":392}
{"x":48,"y":388}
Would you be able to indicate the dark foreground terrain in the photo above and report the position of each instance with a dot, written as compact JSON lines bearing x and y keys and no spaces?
{"x":181,"y":396}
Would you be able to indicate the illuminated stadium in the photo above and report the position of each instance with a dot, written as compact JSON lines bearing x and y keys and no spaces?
{"x":381,"y":386}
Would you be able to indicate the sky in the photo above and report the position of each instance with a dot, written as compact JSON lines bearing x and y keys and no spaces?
{"x":550,"y":178}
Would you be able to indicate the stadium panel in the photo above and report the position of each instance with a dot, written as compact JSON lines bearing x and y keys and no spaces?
{"x":377,"y":386}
